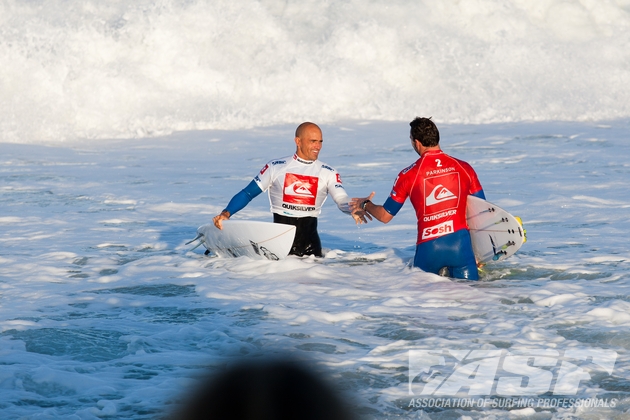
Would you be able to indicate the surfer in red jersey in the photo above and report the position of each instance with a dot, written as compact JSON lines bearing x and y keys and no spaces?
{"x":298,"y":186}
{"x":438,"y":186}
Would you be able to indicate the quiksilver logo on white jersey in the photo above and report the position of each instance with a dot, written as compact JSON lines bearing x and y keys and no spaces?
{"x":300,"y":189}
{"x":439,"y":194}
{"x":297,"y":188}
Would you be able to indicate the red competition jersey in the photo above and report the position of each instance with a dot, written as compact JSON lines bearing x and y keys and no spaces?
{"x":438,"y":186}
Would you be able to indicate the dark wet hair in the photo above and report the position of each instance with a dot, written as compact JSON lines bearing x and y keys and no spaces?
{"x":425,"y":131}
{"x":263,"y":390}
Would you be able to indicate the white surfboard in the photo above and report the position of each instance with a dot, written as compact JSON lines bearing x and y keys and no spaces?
{"x":495,"y":233}
{"x":254,"y":239}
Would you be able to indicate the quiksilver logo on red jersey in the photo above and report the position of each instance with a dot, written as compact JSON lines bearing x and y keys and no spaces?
{"x":300,"y":189}
{"x":439,"y":194}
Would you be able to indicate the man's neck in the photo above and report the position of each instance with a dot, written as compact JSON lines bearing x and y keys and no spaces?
{"x":302,"y":160}
{"x":424,"y":150}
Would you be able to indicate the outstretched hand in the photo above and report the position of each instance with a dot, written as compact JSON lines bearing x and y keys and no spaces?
{"x":219,"y":218}
{"x":360,"y":215}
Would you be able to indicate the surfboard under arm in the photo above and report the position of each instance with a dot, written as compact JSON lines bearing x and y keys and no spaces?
{"x":494,"y":232}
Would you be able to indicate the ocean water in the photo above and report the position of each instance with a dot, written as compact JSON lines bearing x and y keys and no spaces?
{"x":124,"y":127}
{"x":106,"y":313}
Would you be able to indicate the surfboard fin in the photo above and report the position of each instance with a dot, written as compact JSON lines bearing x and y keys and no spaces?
{"x":199,"y":236}
{"x":196,"y":246}
{"x":193,"y":240}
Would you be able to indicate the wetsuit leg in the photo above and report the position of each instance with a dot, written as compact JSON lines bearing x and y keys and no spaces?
{"x":466,"y":272}
{"x":453,"y":251}
{"x":466,"y":266}
{"x":306,"y":240}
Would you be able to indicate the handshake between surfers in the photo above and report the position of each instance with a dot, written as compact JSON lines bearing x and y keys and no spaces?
{"x":358,"y":210}
{"x":363,"y":209}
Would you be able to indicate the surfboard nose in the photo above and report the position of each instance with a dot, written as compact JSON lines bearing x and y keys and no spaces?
{"x":520,"y":222}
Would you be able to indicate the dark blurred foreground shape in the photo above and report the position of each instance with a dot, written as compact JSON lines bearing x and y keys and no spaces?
{"x":265,"y":390}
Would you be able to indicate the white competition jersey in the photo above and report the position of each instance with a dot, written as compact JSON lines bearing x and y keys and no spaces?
{"x":298,"y":187}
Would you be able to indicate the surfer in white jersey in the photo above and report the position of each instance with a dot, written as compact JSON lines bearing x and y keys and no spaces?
{"x":298,"y":185}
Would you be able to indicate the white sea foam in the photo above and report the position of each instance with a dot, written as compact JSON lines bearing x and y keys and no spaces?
{"x":104,"y":311}
{"x":103,"y":303}
{"x":94,"y":70}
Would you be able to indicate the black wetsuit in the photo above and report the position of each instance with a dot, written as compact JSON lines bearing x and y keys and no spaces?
{"x":306,"y":240}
